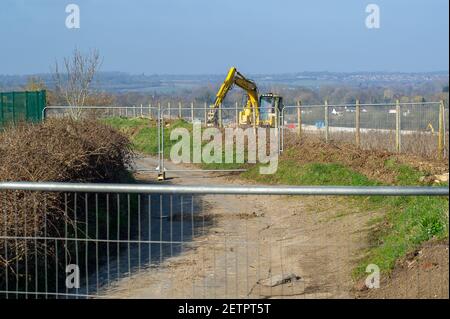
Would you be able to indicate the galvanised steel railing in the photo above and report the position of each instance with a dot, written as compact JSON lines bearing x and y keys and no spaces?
{"x":229,"y":190}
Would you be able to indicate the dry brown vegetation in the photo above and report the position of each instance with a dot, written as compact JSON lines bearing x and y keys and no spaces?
{"x":57,"y":151}
{"x":369,"y":162}
{"x":62,"y":150}
{"x":423,"y":144}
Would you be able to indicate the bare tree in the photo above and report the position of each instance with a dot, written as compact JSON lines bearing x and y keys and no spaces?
{"x":74,"y":83}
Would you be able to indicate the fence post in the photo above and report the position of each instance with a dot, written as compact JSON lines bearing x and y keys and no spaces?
{"x":150,"y":110}
{"x":277,"y":131}
{"x":220,"y":115}
{"x":206,"y":115}
{"x":236,"y":114}
{"x":441,"y":130}
{"x":168,"y":107}
{"x":192,"y":112}
{"x":398,"y":129}
{"x":179,"y":110}
{"x":326,"y":122}
{"x":358,"y":124}
{"x":299,"y":118}
{"x":142,"y":113}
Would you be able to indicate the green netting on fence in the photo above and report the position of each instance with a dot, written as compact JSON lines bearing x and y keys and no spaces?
{"x":16,"y":107}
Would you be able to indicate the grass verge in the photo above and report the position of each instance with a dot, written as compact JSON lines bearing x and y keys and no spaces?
{"x":144,"y":137}
{"x":407,"y":223}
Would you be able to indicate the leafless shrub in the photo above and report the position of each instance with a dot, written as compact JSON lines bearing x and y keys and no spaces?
{"x":74,"y":84}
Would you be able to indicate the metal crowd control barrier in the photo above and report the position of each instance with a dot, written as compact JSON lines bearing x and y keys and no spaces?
{"x":75,"y":240}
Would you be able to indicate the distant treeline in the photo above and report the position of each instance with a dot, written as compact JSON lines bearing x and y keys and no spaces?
{"x":337,"y":94}
{"x":308,"y":87}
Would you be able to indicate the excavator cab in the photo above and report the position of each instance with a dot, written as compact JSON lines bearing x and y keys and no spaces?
{"x":270,"y":108}
{"x":266,"y":114}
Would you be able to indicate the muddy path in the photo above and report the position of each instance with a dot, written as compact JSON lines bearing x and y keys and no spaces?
{"x":230,"y":246}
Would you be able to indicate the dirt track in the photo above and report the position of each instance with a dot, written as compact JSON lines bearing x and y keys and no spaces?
{"x":253,"y":238}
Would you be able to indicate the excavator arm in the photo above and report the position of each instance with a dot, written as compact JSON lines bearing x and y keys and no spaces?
{"x":235,"y":78}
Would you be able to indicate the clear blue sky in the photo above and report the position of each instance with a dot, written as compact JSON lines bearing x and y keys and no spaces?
{"x":208,"y":36}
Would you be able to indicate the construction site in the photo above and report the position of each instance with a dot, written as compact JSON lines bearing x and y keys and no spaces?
{"x":249,"y":192}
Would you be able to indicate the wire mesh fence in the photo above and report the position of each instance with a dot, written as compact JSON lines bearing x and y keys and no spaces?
{"x":190,"y":113}
{"x":96,"y":112}
{"x":98,"y":238}
{"x":133,"y":241}
{"x":413,"y":128}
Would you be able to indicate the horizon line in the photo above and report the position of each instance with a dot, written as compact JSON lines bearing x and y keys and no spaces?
{"x":259,"y":73}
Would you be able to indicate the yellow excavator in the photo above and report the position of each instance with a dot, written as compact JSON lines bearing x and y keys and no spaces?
{"x":263,"y":110}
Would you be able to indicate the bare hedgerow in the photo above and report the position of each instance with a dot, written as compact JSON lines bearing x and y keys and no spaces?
{"x":59,"y":150}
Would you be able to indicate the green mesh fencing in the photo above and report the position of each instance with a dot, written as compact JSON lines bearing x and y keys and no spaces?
{"x":16,"y":107}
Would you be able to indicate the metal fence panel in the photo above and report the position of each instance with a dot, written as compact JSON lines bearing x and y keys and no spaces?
{"x":62,"y":240}
{"x":97,"y":112}
{"x":418,"y":130}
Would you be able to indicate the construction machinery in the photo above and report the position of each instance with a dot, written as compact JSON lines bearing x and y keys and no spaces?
{"x":263,"y":110}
